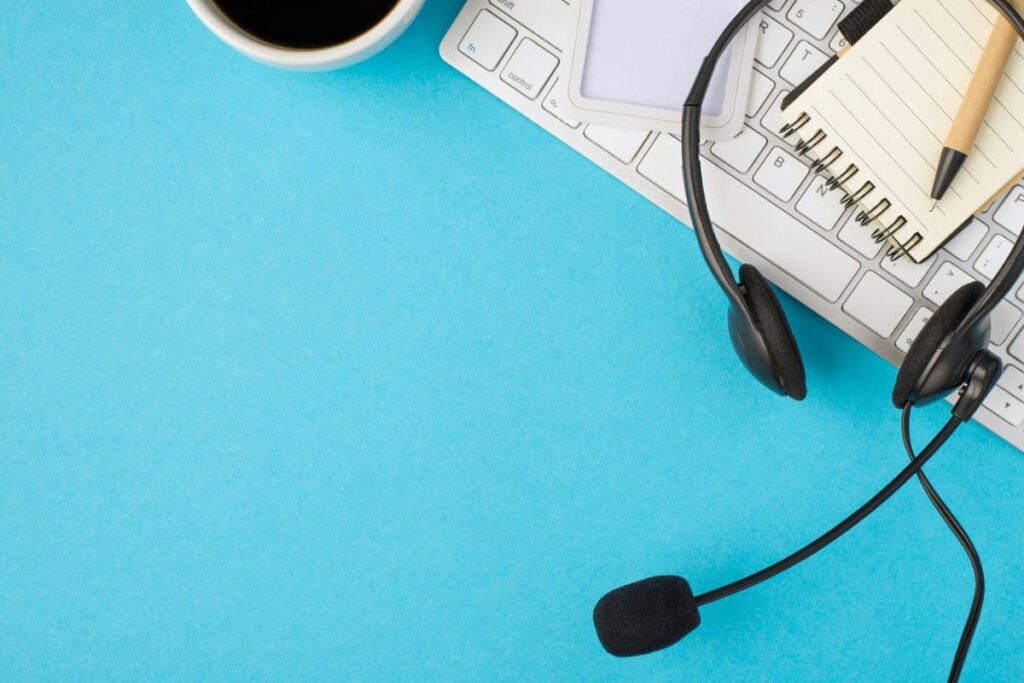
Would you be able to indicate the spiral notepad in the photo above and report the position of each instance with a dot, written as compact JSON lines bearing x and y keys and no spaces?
{"x":876,"y":121}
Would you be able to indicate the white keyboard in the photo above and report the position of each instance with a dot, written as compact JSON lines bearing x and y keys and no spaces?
{"x":773,"y":212}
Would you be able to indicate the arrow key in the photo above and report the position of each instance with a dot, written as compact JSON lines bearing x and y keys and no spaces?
{"x":1012,"y":382}
{"x":1003,"y":404}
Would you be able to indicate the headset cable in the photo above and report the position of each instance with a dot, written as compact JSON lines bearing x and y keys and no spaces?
{"x":967,"y":634}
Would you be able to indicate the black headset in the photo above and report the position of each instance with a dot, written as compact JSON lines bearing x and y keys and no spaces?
{"x":950,"y":354}
{"x":949,"y":349}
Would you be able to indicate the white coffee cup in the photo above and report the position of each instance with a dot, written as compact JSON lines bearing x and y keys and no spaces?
{"x":314,"y":59}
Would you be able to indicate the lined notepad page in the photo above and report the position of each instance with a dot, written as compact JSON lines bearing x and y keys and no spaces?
{"x":888,"y":104}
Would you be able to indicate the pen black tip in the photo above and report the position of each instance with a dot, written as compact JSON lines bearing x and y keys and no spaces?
{"x":949,"y":165}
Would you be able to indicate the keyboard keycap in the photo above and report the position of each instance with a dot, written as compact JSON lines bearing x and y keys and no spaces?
{"x":947,"y":280}
{"x":487,"y":40}
{"x":1003,"y":404}
{"x":878,"y":305}
{"x":816,"y":17}
{"x":859,"y":237}
{"x":529,"y":68}
{"x":838,"y":42}
{"x":621,"y":143}
{"x":772,"y":40}
{"x":804,"y":61}
{"x":781,"y":174}
{"x":760,"y":225}
{"x":1011,"y":212}
{"x":995,"y":254}
{"x":742,"y":150}
{"x":1004,"y":320}
{"x":907,"y":271}
{"x":761,"y":88}
{"x":821,"y":205}
{"x":551,"y":105}
{"x":550,"y":19}
{"x":773,"y":119}
{"x":913,"y":328}
{"x":1012,"y":381}
{"x":967,"y":240}
{"x":1017,"y":347}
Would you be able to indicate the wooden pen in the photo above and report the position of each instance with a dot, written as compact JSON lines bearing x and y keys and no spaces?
{"x":974,"y":107}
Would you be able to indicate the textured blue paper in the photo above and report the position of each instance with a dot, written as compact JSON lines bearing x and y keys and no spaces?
{"x":361,"y":376}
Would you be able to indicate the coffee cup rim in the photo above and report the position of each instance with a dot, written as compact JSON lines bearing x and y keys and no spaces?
{"x":311,"y":59}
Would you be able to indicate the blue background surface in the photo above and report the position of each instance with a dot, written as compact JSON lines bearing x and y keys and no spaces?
{"x":361,"y":376}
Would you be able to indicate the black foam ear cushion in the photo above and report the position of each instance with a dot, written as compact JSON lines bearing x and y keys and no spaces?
{"x":938,"y":327}
{"x":776,"y":331}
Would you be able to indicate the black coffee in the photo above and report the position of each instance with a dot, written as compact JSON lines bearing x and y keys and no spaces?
{"x":306,"y":23}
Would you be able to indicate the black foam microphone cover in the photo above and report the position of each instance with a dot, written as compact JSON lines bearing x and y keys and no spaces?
{"x":646,"y":616}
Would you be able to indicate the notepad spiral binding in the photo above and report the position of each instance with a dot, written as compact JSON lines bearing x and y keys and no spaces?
{"x":824,"y":163}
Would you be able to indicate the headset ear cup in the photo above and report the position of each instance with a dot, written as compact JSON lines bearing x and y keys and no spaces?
{"x":775,"y":330}
{"x":929,"y":340}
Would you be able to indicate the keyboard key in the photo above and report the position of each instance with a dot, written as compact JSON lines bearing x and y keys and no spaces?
{"x":995,"y":254}
{"x":821,"y":205}
{"x":761,"y":88}
{"x":773,"y":119}
{"x":967,"y":240}
{"x":1012,"y":381}
{"x":1004,"y":320}
{"x":907,"y":271}
{"x":742,"y":150}
{"x":947,"y":280}
{"x":662,"y":166}
{"x":878,"y":305}
{"x":838,"y":42}
{"x":550,"y":19}
{"x":781,"y":174}
{"x":1017,"y":347}
{"x":1011,"y":212}
{"x":859,"y":237}
{"x":1003,"y":404}
{"x":913,"y":328}
{"x":621,"y":143}
{"x":551,"y":105}
{"x":529,"y":68}
{"x":487,"y":40}
{"x":804,"y":61}
{"x":772,"y":40}
{"x":817,"y":17}
{"x":760,"y":225}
